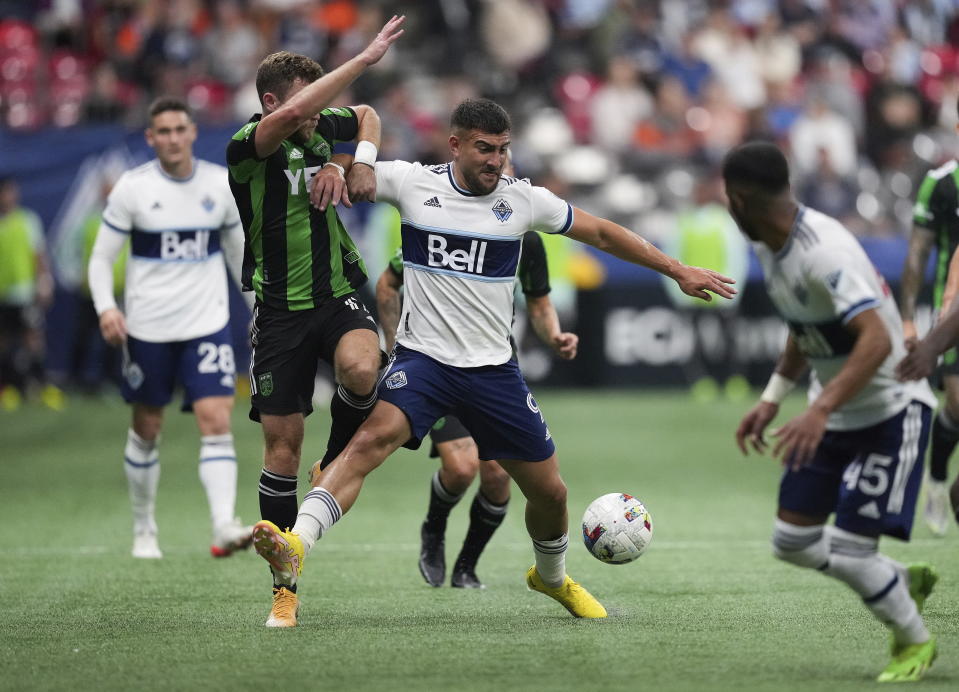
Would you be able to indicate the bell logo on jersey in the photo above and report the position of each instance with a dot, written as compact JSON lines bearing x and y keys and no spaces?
{"x":173,"y":247}
{"x":460,"y":260}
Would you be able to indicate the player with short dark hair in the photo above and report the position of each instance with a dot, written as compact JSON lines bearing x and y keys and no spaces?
{"x":462,"y":225}
{"x":184,"y":232}
{"x":857,"y":449}
{"x":303,"y":266}
{"x":453,"y":443}
{"x":935,"y":224}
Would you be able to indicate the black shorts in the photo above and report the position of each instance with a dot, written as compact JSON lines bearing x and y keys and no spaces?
{"x":287,"y":345}
{"x":446,"y":429}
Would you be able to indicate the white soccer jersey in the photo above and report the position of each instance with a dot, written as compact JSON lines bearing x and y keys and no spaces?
{"x":819,"y":281}
{"x":460,"y":256}
{"x":176,"y":284}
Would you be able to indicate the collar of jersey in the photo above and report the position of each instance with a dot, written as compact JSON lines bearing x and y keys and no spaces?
{"x":784,"y":250}
{"x":462,"y":191}
{"x":178,"y":180}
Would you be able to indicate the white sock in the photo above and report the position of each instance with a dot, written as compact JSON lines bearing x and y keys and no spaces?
{"x":854,"y":559}
{"x":551,"y":560}
{"x":218,"y":476}
{"x":142,"y":465}
{"x":318,"y":512}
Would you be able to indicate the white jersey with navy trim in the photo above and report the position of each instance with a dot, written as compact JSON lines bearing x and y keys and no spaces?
{"x":819,"y":281}
{"x":176,"y":284}
{"x":460,"y":256}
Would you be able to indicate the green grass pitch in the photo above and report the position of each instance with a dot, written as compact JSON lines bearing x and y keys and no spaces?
{"x":707,"y":608}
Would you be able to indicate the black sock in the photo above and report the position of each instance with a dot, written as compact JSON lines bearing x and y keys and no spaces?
{"x":278,"y":499}
{"x":347,"y":413}
{"x":442,"y":502}
{"x":485,"y":518}
{"x":945,"y":436}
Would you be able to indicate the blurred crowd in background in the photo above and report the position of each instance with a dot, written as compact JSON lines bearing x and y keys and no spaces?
{"x":623,"y":107}
{"x":628,"y":101}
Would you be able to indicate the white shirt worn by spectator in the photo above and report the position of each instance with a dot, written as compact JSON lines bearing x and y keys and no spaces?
{"x":460,"y":257}
{"x":183,"y":234}
{"x":818,"y":282}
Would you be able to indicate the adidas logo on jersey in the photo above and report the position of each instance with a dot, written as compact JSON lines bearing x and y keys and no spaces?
{"x":432,"y":202}
{"x":296,"y":154}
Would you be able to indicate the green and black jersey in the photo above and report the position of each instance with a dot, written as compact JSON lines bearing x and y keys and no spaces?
{"x":296,"y":257}
{"x":533,"y":271}
{"x":937,"y":209}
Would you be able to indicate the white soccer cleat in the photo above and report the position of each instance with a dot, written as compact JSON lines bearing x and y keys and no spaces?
{"x":231,"y":537}
{"x":145,"y":546}
{"x":937,"y":512}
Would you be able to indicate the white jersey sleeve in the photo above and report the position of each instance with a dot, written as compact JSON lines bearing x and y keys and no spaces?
{"x":120,"y":209}
{"x":842,"y":278}
{"x":106,"y":249}
{"x":550,"y":214}
{"x":390,"y":177}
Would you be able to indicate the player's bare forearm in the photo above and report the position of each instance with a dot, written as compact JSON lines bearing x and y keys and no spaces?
{"x":945,"y":334}
{"x":545,"y":321}
{"x":543,"y":317}
{"x":285,"y":120}
{"x":618,"y":241}
{"x":920,"y":245}
{"x":368,"y":124}
{"x":952,"y":283}
{"x":361,"y":178}
{"x":871,"y":348}
{"x":388,"y":305}
{"x":792,"y":363}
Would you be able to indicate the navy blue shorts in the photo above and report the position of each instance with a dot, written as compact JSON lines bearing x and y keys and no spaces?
{"x":870,"y":477}
{"x":203,"y":366}
{"x":492,"y":401}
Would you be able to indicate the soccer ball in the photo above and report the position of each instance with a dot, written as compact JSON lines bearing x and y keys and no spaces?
{"x":617,"y":528}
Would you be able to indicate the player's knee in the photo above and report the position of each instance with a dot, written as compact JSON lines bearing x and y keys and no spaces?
{"x":494,"y":481}
{"x":458,"y":473}
{"x":214,"y":422}
{"x":281,"y":455}
{"x":359,"y":375}
{"x":552,"y":497}
{"x":803,"y":546}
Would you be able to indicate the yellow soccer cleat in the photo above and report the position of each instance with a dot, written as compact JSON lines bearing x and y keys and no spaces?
{"x":909,"y":663}
{"x":571,"y":595}
{"x":282,"y":549}
{"x":285,"y":608}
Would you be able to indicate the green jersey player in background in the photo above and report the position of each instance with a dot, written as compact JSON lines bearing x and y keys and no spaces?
{"x":935,"y":224}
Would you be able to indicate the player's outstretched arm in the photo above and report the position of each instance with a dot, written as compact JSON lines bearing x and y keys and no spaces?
{"x":388,"y":305}
{"x":545,"y":321}
{"x":798,"y":439}
{"x":612,"y":238}
{"x":920,"y":244}
{"x":284,"y":121}
{"x":751,"y":431}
